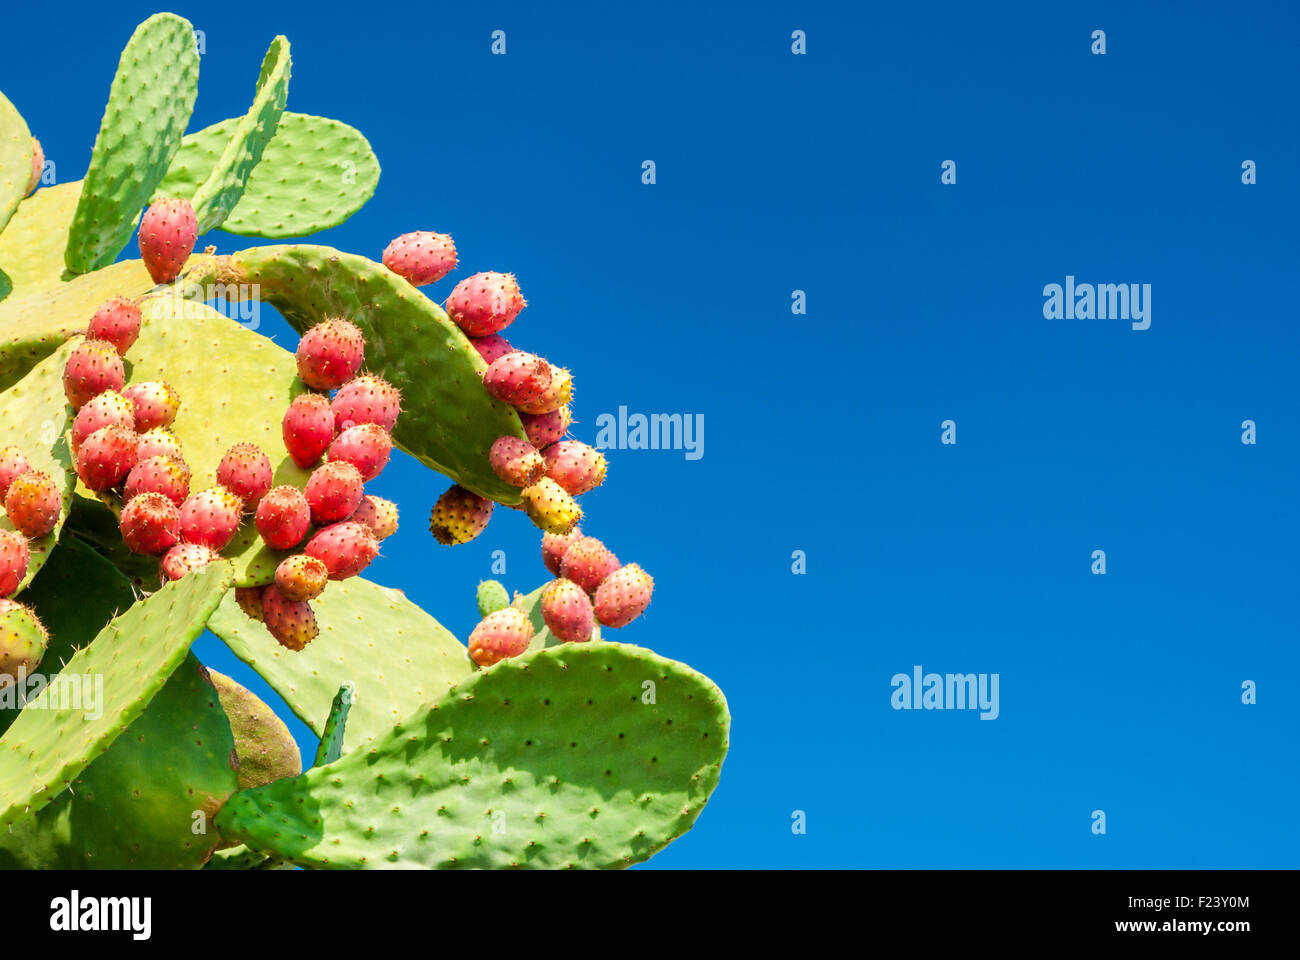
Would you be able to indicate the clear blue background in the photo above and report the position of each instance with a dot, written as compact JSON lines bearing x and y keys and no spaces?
{"x":821,"y":173}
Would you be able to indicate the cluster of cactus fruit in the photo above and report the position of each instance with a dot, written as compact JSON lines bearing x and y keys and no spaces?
{"x":146,"y":500}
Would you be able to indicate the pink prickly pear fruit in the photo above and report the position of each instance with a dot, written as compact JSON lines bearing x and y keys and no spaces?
{"x":283,"y":517}
{"x":38,"y":165}
{"x":159,"y":474}
{"x":246,"y":472}
{"x":250,"y":601}
{"x":485,"y":303}
{"x":93,"y":367}
{"x":378,"y":514}
{"x":292,"y":623}
{"x":117,"y":321}
{"x":501,"y":634}
{"x":587,"y":563}
{"x":301,"y":577}
{"x":23,"y":641}
{"x":330,"y":354}
{"x":159,"y":442}
{"x":105,"y":410}
{"x":367,"y":446}
{"x":547,"y":428}
{"x":150,"y":524}
{"x":557,"y":395}
{"x":33,"y":504}
{"x":12,"y":463}
{"x":550,"y":507}
{"x":491,"y":347}
{"x":623,"y":596}
{"x":367,"y":399}
{"x":421,"y":257}
{"x":185,"y":558}
{"x":156,"y":404}
{"x":334,"y":491}
{"x":211,"y":517}
{"x":345,"y":548}
{"x":516,"y":461}
{"x":308,"y":428}
{"x":518,"y":378}
{"x":106,"y":457}
{"x":459,"y":516}
{"x":575,"y":466}
{"x":566,"y":609}
{"x":554,"y":547}
{"x":168,"y":230}
{"x":14,"y":557}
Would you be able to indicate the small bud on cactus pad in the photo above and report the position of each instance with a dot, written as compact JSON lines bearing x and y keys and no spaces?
{"x":211,"y":517}
{"x":159,"y":442}
{"x":518,"y":378}
{"x":38,"y":165}
{"x":292,"y":623}
{"x":93,"y":367}
{"x":345,"y":548}
{"x":485,"y":303}
{"x":459,"y":516}
{"x":156,"y":404}
{"x":334,"y":492}
{"x":623,"y":596}
{"x":106,"y":457}
{"x":421,"y":257}
{"x":555,"y":546}
{"x":330,"y":354}
{"x":566,"y":608}
{"x":283,"y":517}
{"x":301,"y":577}
{"x":491,"y":347}
{"x":14,"y":556}
{"x":491,"y":596}
{"x":12,"y":463}
{"x":378,"y":514}
{"x":168,"y":230}
{"x":546,"y":429}
{"x":557,"y":395}
{"x":367,"y":399}
{"x":159,"y":474}
{"x":587,"y":563}
{"x":367,"y":446}
{"x":505,"y":633}
{"x":516,"y":461}
{"x":550,"y":507}
{"x":118,"y":322}
{"x":250,"y":601}
{"x":185,"y":558}
{"x":575,"y":466}
{"x":308,"y":428}
{"x":33,"y":504}
{"x":150,"y":524}
{"x":105,"y":410}
{"x":23,"y":640}
{"x":246,"y":472}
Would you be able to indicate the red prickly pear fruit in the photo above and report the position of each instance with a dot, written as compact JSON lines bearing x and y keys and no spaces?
{"x":292,"y":623}
{"x":159,"y":442}
{"x":308,"y":428}
{"x":501,"y":634}
{"x":367,"y":446}
{"x":105,"y":410}
{"x":557,"y":395}
{"x":38,"y":165}
{"x":93,"y":367}
{"x":566,"y":609}
{"x":330,"y":354}
{"x":250,"y":601}
{"x":546,"y":429}
{"x":623,"y":596}
{"x":587,"y":563}
{"x":117,"y":321}
{"x":554,"y":547}
{"x":367,"y":399}
{"x":485,"y":303}
{"x":106,"y":457}
{"x":14,"y":556}
{"x":23,"y":641}
{"x":155,"y":402}
{"x":168,"y":230}
{"x":491,"y":347}
{"x":159,"y":474}
{"x":421,"y":257}
{"x":33,"y":504}
{"x":185,"y":558}
{"x":516,"y":461}
{"x":459,"y":516}
{"x":550,"y":507}
{"x":378,"y":514}
{"x":334,"y":491}
{"x":518,"y":378}
{"x":211,"y":517}
{"x":301,"y":577}
{"x":12,"y":463}
{"x":575,"y":466}
{"x":246,"y":472}
{"x":345,"y":548}
{"x":283,"y":517}
{"x":150,"y":524}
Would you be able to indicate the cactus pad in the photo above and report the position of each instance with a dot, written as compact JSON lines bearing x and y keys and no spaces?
{"x":15,"y":161}
{"x":331,"y":738}
{"x":264,"y":745}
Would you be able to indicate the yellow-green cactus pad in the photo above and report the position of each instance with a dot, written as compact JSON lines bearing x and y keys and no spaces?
{"x":31,"y":247}
{"x":263,"y":743}
{"x":15,"y":162}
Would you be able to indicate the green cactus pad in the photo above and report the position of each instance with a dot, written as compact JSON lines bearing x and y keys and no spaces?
{"x":448,"y":422}
{"x":149,"y":106}
{"x":264,"y":745}
{"x":239,"y":857}
{"x":549,"y":760}
{"x":331,"y":738}
{"x":31,"y":247}
{"x":397,"y":656}
{"x":491,"y":596}
{"x":46,"y":748}
{"x":531,"y":604}
{"x":149,"y":800}
{"x":220,"y":192}
{"x":15,"y":160}
{"x":314,"y":174}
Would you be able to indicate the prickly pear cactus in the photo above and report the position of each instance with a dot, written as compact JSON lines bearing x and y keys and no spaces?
{"x":194,"y":475}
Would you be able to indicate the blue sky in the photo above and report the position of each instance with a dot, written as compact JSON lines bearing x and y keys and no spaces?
{"x":821,"y":173}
